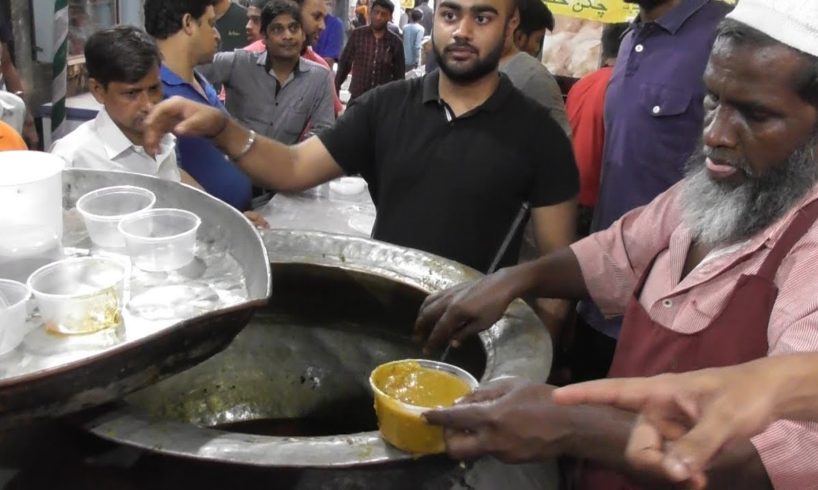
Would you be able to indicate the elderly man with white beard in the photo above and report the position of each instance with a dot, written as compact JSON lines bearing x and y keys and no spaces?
{"x":720,"y":269}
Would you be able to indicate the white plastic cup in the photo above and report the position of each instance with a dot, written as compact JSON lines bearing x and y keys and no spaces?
{"x":103,"y":209}
{"x":161,"y":239}
{"x":80,"y":295}
{"x":14,"y":298}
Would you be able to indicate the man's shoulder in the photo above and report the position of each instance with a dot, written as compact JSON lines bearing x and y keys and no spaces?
{"x":334,"y":21}
{"x":81,"y":143}
{"x":313,"y":66}
{"x":359,"y":31}
{"x":395,"y":38}
{"x":717,"y":7}
{"x":528,"y":116}
{"x":84,"y":138}
{"x":392,"y":95}
{"x":236,"y":14}
{"x":238,"y":54}
{"x":524,"y":63}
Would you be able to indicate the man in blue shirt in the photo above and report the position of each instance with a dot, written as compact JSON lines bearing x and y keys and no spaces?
{"x":186,"y":35}
{"x":653,"y":120}
{"x":331,"y":41}
{"x":412,"y":38}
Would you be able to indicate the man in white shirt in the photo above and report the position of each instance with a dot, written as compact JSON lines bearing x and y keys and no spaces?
{"x":123,"y":69}
{"x":123,"y":75}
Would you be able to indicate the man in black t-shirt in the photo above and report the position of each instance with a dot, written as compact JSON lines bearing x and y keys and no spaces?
{"x":452,"y":159}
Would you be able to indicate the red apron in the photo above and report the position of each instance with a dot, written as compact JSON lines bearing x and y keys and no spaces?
{"x":738,"y":334}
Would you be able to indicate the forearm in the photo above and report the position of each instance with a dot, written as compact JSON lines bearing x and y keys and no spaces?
{"x":793,"y":380}
{"x":269,"y":163}
{"x":600,"y":434}
{"x":344,"y":67}
{"x":556,"y":275}
{"x":10,"y":75}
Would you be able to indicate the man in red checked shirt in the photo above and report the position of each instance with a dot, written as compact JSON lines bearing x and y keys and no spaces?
{"x":373,"y":53}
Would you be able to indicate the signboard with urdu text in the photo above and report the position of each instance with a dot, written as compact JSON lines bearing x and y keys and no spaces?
{"x":607,"y":11}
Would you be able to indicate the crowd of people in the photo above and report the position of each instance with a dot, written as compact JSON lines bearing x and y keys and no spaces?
{"x":672,"y":196}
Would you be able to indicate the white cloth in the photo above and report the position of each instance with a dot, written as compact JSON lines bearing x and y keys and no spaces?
{"x":99,"y":144}
{"x":792,"y":22}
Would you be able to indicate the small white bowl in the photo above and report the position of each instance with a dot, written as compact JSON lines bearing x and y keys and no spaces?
{"x":161,"y":239}
{"x":348,"y":186}
{"x":103,"y":209}
{"x":80,"y":295}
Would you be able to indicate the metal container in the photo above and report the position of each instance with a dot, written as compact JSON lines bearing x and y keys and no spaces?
{"x":172,"y":321}
{"x":291,"y":392}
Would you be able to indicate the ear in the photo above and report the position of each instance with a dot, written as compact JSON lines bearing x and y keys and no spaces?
{"x":97,"y":90}
{"x":514,"y":21}
{"x":519,"y":38}
{"x":187,"y":24}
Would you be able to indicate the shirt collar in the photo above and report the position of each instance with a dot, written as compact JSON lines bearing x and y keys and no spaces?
{"x":116,"y":143}
{"x":676,"y":18}
{"x":300,"y":66}
{"x":773,"y":233}
{"x":169,"y":77}
{"x":492,"y":104}
{"x":113,"y":139}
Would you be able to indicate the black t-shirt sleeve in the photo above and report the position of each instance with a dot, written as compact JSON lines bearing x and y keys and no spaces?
{"x":349,"y":140}
{"x":556,"y":178}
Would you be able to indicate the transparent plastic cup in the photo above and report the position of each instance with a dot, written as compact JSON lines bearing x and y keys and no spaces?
{"x":103,"y":209}
{"x":400,"y":423}
{"x":14,"y":298}
{"x":161,"y":239}
{"x":80,"y":295}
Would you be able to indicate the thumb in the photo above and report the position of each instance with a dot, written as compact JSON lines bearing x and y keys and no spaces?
{"x":695,"y":449}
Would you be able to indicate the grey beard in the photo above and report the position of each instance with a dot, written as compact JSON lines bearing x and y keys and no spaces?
{"x":723,"y":214}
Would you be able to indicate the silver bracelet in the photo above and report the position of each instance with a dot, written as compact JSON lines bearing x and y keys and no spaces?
{"x":251,"y":140}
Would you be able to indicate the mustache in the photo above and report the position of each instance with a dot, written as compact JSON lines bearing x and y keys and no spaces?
{"x":723,"y":156}
{"x":460,"y":45}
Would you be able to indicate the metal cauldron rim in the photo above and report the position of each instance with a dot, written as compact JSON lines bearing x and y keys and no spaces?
{"x":517,"y":345}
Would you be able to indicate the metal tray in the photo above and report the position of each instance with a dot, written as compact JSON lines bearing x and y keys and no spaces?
{"x":172,"y":321}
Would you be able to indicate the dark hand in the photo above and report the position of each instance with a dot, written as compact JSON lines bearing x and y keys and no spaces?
{"x":513,"y":420}
{"x":464,"y":310}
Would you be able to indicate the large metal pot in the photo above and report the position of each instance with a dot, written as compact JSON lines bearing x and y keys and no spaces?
{"x":290,"y":391}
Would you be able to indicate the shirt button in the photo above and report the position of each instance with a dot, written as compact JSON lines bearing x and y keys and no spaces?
{"x":667,"y":303}
{"x":656,"y":109}
{"x":639,"y":48}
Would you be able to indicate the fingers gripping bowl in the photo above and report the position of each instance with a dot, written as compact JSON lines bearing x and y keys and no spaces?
{"x":405,"y":389}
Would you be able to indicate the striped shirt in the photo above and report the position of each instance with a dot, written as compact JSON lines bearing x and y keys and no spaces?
{"x":613,"y":260}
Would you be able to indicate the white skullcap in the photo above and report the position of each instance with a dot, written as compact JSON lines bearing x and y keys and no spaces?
{"x":791,"y":22}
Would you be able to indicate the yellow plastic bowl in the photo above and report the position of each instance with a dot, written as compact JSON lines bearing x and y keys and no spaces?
{"x":399,"y":422}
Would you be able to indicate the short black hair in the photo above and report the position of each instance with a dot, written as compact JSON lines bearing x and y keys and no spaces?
{"x":120,"y":54}
{"x":259,"y":4}
{"x":415,"y":15}
{"x":387,"y":4}
{"x":806,"y":83}
{"x":612,"y":38}
{"x":163,"y":18}
{"x":279,"y":7}
{"x":534,"y":16}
